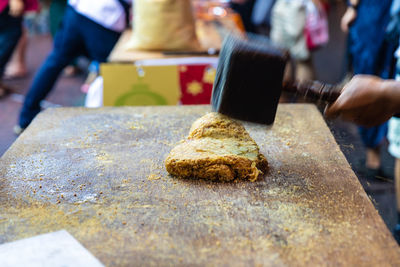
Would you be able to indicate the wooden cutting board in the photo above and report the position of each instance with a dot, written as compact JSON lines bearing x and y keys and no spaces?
{"x":99,"y":174}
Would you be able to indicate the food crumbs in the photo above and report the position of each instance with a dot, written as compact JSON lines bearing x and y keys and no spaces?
{"x":153,"y":177}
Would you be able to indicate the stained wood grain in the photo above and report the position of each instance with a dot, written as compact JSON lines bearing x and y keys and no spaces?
{"x":99,"y":174}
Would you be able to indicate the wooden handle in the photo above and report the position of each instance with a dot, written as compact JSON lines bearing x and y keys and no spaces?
{"x":313,"y":90}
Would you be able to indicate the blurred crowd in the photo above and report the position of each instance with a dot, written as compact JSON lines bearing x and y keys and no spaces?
{"x":91,"y":28}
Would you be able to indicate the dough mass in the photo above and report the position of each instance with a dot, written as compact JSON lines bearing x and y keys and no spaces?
{"x":217,"y":148}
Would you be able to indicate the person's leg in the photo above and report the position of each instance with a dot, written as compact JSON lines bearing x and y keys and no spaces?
{"x":394,"y":150}
{"x":372,"y":139}
{"x":56,"y":14}
{"x":16,"y":67}
{"x":10,"y":32}
{"x":373,"y":158}
{"x":99,"y":41}
{"x":67,"y":45}
{"x":305,"y":70}
{"x":397,"y":185}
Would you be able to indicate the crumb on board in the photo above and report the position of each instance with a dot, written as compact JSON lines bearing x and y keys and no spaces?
{"x":153,"y":177}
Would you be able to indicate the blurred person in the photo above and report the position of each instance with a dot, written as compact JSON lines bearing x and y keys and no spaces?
{"x":368,"y":53}
{"x":16,"y":66}
{"x":393,"y":33}
{"x":88,"y":28}
{"x":370,"y":101}
{"x":288,"y":24}
{"x":11,"y":12}
{"x":288,"y":21}
{"x":56,"y":14}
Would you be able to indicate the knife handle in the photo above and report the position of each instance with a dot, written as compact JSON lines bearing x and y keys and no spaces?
{"x":313,"y":90}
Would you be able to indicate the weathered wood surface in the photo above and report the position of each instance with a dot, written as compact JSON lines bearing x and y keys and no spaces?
{"x":100,"y":175}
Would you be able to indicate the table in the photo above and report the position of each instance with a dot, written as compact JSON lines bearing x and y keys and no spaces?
{"x":99,"y":174}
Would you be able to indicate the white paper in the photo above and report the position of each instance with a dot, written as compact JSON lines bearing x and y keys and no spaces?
{"x":57,"y":249}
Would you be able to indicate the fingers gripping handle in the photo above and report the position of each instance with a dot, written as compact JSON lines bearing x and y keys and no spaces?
{"x":313,"y":90}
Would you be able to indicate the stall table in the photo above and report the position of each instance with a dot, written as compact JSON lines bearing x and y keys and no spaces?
{"x":99,"y":174}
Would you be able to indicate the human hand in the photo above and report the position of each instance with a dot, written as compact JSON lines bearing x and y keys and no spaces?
{"x":365,"y":100}
{"x":16,"y":8}
{"x":348,"y":18}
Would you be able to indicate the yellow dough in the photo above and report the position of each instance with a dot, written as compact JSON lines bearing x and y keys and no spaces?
{"x":217,"y":148}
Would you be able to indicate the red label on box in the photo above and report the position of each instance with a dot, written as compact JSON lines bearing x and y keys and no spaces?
{"x":196,"y":83}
